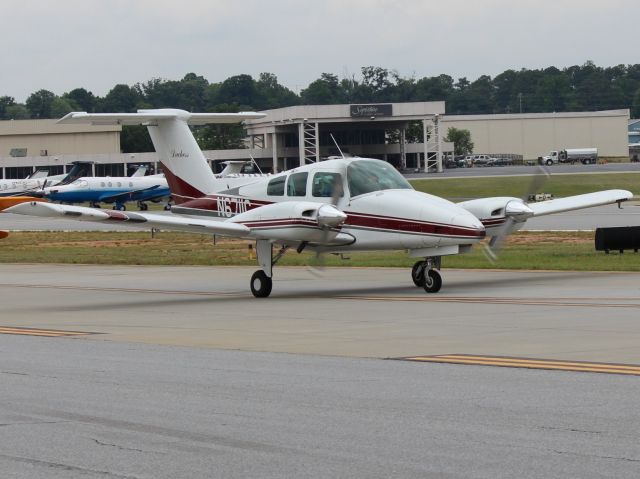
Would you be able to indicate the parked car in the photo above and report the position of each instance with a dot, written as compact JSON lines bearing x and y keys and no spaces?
{"x":482,"y":160}
{"x":500,"y":162}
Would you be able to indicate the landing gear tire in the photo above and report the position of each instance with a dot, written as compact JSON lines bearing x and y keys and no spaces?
{"x":417,"y":274}
{"x":261,"y":284}
{"x":432,"y":281}
{"x":120,"y":207}
{"x":143,"y":206}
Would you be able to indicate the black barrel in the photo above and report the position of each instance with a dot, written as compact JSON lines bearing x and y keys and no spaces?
{"x":620,"y":238}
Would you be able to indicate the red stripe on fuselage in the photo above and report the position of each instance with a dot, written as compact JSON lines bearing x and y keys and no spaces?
{"x":405,"y":225}
{"x":232,"y":205}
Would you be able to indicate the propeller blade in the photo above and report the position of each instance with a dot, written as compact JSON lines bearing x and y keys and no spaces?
{"x":515,"y":212}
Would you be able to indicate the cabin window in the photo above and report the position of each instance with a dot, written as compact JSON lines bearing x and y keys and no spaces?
{"x":131,"y":184}
{"x":119,"y":184}
{"x":297,"y":184}
{"x":103,"y":184}
{"x":110,"y":184}
{"x":324,"y":182}
{"x":276,"y":186}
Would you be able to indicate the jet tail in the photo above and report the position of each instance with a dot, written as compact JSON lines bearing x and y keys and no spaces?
{"x":185,"y":167}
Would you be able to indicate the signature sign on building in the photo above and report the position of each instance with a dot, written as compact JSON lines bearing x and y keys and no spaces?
{"x":371,"y":110}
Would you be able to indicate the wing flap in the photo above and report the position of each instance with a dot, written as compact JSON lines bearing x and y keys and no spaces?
{"x":577,"y":202}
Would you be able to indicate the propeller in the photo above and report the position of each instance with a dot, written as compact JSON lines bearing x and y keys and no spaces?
{"x":515,"y":211}
{"x":329,"y":216}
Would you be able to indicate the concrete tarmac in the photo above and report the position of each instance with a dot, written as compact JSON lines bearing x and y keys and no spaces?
{"x":368,"y":312}
{"x":74,"y":408}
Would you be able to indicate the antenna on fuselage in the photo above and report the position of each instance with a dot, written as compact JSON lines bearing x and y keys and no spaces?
{"x":337,"y":146}
{"x":253,"y":160}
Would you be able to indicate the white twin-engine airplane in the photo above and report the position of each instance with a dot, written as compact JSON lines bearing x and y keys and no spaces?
{"x":335,"y":206}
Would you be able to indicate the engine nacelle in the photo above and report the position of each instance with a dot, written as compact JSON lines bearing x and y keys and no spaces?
{"x":296,"y":222}
{"x":493,"y":212}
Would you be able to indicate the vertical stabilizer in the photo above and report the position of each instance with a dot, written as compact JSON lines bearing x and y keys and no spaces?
{"x":185,"y":167}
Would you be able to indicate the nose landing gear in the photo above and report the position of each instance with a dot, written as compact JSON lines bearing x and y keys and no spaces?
{"x":425,"y":274}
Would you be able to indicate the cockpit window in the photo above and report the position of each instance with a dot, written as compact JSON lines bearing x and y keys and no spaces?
{"x":80,"y":182}
{"x":324,"y":183}
{"x":297,"y":184}
{"x":366,"y":176}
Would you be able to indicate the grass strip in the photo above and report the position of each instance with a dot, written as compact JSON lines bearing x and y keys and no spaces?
{"x":573,"y":251}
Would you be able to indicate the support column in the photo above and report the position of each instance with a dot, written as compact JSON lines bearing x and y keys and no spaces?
{"x":403,"y":149}
{"x":274,"y":146}
{"x":425,"y":132}
{"x":301,"y":153}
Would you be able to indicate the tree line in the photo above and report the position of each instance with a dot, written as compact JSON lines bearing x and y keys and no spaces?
{"x":586,"y":87}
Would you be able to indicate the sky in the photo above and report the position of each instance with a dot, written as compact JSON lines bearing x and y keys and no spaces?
{"x":95,"y":44}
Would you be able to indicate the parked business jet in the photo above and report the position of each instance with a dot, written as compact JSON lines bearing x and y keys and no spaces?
{"x":116,"y":190}
{"x":336,"y":206}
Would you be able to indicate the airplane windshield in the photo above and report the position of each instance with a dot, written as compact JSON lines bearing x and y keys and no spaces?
{"x":366,"y":176}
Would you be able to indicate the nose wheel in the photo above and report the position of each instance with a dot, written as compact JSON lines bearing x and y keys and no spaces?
{"x":425,"y":276}
{"x":432,"y":281}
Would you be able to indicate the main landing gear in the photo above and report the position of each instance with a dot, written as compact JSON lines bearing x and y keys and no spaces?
{"x":425,"y":274}
{"x":261,"y":281}
{"x":142,"y":206}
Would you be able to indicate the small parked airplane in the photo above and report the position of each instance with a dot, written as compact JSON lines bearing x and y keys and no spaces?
{"x":116,"y":190}
{"x":334,"y":206}
{"x":39,"y":180}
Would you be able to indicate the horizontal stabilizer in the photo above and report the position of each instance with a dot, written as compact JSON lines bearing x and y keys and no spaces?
{"x":154,"y":116}
{"x":577,"y":202}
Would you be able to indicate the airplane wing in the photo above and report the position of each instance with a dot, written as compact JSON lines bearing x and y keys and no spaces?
{"x":81,"y":213}
{"x":577,"y":202}
{"x":133,"y":195}
{"x":292,"y":222}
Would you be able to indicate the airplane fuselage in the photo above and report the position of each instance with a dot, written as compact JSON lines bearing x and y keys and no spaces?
{"x":391,"y":216}
{"x":110,"y":189}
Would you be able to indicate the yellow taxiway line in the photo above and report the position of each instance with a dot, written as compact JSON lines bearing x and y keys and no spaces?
{"x":49,"y":333}
{"x":610,"y":368}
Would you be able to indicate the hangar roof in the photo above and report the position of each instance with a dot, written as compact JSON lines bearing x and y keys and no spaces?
{"x":347,"y":113}
{"x":45,"y":127}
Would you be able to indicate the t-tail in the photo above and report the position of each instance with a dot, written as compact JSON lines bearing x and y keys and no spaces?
{"x":185,"y":167}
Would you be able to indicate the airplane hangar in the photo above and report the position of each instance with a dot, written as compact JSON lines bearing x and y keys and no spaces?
{"x":292,"y":136}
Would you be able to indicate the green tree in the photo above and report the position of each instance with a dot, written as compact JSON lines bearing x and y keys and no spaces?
{"x":240,"y":90}
{"x":60,"y":106}
{"x":220,"y":136}
{"x":5,"y":102}
{"x":17,"y":112}
{"x":461,"y":139}
{"x":274,"y":94}
{"x":135,"y":139}
{"x":635,"y":106}
{"x":121,"y":99}
{"x":83,"y":99}
{"x":39,"y":104}
{"x":325,"y":90}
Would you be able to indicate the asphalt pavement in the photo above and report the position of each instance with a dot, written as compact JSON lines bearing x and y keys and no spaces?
{"x":80,"y":408}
